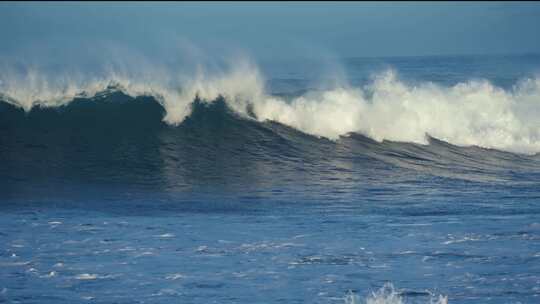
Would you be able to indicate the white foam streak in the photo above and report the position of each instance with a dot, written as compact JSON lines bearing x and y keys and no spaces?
{"x":469,"y":113}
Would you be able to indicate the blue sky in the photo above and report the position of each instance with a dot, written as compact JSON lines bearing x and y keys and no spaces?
{"x":60,"y":31}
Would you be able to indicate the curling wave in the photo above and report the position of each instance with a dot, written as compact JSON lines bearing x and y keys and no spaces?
{"x":474,"y":113}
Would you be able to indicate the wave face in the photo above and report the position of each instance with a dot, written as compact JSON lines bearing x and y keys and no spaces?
{"x":113,"y":137}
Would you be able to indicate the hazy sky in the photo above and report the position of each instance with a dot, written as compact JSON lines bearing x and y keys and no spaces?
{"x":270,"y":29}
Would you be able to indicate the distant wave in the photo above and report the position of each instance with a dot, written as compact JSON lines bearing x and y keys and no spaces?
{"x":474,"y":113}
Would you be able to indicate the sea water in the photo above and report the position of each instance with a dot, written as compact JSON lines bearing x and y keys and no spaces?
{"x":385,"y":180}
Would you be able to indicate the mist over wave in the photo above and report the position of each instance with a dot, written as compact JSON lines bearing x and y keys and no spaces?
{"x":475,"y":112}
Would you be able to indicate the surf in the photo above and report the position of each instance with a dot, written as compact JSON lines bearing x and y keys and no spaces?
{"x":473,"y":113}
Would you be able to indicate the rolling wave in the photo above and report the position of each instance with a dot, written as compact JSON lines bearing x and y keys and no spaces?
{"x":475,"y":113}
{"x":113,"y":135}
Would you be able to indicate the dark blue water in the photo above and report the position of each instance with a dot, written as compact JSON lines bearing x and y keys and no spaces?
{"x":101,"y":201}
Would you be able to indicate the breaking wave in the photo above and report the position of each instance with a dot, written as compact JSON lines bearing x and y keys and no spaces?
{"x":473,"y":113}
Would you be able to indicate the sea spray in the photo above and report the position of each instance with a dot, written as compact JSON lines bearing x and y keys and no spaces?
{"x":388,"y":295}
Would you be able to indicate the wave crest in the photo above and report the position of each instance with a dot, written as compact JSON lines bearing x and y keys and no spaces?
{"x":470,"y":113}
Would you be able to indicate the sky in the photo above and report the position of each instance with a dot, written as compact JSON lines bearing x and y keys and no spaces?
{"x":70,"y":31}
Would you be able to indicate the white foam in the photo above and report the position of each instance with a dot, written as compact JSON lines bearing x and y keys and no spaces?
{"x":469,"y":113}
{"x":92,"y":276}
{"x":175,"y":276}
{"x":388,"y":295}
{"x":49,"y":275}
{"x":472,"y":113}
{"x":86,"y":276}
{"x":165,"y":235}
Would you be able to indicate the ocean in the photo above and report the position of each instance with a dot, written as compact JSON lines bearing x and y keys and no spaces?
{"x":372,"y":180}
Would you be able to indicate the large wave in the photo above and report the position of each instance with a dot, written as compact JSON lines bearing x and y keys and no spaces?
{"x":469,"y":113}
